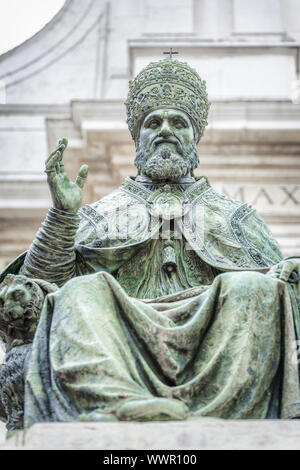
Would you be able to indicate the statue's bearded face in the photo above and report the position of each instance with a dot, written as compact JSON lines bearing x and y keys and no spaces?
{"x":167,"y":149}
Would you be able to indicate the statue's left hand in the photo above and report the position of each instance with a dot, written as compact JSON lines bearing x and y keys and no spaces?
{"x":286,"y":270}
{"x":66,"y":195}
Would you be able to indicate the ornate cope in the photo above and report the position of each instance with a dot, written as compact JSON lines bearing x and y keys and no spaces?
{"x":226,"y":234}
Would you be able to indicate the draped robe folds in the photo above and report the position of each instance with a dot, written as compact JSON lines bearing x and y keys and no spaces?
{"x":224,"y":347}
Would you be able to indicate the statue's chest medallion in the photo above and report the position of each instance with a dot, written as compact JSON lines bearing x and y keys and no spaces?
{"x":167,"y":203}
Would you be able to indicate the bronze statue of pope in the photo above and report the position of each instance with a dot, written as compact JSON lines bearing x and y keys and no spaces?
{"x":164,"y":300}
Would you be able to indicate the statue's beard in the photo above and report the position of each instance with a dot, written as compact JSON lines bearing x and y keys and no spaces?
{"x":167,"y":162}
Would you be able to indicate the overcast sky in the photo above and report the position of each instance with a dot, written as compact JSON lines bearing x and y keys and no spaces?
{"x":21,"y":19}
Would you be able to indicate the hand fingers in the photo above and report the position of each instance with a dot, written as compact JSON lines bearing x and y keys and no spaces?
{"x":274,"y":274}
{"x":64,"y":141}
{"x":286,"y":270}
{"x":60,"y":167}
{"x":275,"y":270}
{"x":82,"y":176}
{"x":51,"y":165}
{"x":61,"y":147}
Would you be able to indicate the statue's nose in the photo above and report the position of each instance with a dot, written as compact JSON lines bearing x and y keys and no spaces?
{"x":165,"y":130}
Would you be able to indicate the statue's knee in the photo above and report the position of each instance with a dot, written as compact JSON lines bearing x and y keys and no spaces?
{"x":245,"y":281}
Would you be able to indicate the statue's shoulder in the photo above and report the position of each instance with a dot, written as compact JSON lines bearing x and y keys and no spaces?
{"x":128,"y":194}
{"x":113,"y":201}
{"x":98,"y":219}
{"x":243,"y":223}
{"x":95,"y":215}
{"x":204,"y":194}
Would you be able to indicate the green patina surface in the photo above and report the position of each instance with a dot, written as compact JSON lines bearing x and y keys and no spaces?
{"x":103,"y":354}
{"x":164,"y":300}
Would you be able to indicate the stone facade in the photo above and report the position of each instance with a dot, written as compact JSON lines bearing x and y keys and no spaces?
{"x":71,"y":80}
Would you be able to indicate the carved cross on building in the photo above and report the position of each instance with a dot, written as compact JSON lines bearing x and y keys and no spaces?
{"x":170,"y":52}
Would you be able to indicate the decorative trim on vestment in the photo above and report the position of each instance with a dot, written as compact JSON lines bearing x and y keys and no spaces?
{"x":235,"y":222}
{"x":133,"y":188}
{"x":138,"y":190}
{"x":197,"y":190}
{"x":89,"y":213}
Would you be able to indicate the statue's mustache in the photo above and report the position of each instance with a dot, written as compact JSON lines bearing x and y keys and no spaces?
{"x":165,"y":140}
